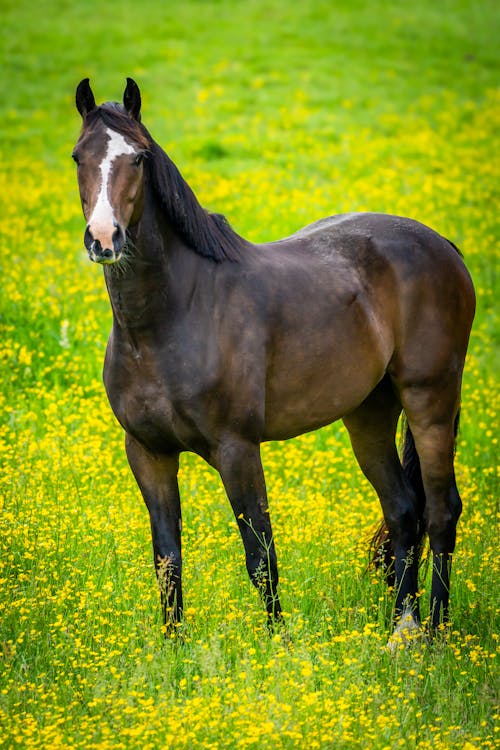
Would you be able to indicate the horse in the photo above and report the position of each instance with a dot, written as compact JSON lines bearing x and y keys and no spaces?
{"x":219,"y":344}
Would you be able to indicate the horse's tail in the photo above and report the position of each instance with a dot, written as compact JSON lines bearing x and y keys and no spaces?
{"x":381,"y":549}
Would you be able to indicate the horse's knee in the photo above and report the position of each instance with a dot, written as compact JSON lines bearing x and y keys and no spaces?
{"x":402,"y":522}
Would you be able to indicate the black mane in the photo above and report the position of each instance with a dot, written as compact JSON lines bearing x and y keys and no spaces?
{"x":208,"y":234}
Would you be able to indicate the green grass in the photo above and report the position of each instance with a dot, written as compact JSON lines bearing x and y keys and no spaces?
{"x":277,"y":114}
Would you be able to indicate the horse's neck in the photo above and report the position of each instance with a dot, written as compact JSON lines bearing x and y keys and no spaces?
{"x":152,"y":283}
{"x":133,"y":293}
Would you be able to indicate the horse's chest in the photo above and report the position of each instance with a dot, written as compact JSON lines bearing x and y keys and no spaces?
{"x":144,"y":402}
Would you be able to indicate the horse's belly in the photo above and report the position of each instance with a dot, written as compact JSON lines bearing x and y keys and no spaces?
{"x":311,"y":387}
{"x":292,"y":411}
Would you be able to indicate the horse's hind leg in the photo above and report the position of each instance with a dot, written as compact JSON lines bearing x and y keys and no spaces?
{"x":372,"y":429}
{"x":432,"y":416}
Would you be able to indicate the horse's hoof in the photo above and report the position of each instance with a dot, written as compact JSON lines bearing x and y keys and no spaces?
{"x":407,"y":631}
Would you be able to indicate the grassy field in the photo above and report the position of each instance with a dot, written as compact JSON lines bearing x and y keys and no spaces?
{"x":277,"y":113}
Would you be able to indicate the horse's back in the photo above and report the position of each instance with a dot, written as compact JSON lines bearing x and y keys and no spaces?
{"x":353,"y":296}
{"x":398,"y":238}
{"x":419,"y":276}
{"x":394,"y":261}
{"x":400,"y":264}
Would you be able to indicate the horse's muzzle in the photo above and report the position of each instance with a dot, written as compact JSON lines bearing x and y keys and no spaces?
{"x":106,"y":255}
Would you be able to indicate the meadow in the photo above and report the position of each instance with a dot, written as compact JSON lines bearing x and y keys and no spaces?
{"x":277,"y":114}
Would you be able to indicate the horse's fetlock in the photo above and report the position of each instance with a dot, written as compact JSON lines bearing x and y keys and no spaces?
{"x":167,"y":574}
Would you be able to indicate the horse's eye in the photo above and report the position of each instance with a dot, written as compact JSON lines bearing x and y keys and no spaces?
{"x":138,"y":158}
{"x":75,"y":158}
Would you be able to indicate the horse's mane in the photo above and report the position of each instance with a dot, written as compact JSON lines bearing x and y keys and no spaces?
{"x":208,"y":234}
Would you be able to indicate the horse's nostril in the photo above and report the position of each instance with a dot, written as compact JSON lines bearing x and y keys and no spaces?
{"x":107,"y":253}
{"x":118,"y":238}
{"x":88,"y":239}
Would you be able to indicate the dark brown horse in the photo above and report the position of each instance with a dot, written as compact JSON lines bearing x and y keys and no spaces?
{"x":219,"y":344}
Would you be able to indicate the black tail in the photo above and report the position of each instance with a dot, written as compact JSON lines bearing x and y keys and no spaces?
{"x":382,"y":554}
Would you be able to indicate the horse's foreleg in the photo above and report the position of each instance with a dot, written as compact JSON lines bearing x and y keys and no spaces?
{"x":156,"y":476}
{"x":241,"y":470}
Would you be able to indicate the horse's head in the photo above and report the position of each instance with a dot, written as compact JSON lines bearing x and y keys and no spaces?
{"x":109,"y":155}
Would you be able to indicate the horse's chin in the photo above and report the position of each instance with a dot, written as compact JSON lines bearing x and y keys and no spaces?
{"x":108,"y":259}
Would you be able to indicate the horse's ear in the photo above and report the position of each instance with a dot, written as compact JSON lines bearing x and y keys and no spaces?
{"x":132,"y":99}
{"x":85,"y":101}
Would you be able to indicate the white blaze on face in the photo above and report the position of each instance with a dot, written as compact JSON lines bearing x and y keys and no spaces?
{"x":101,"y":223}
